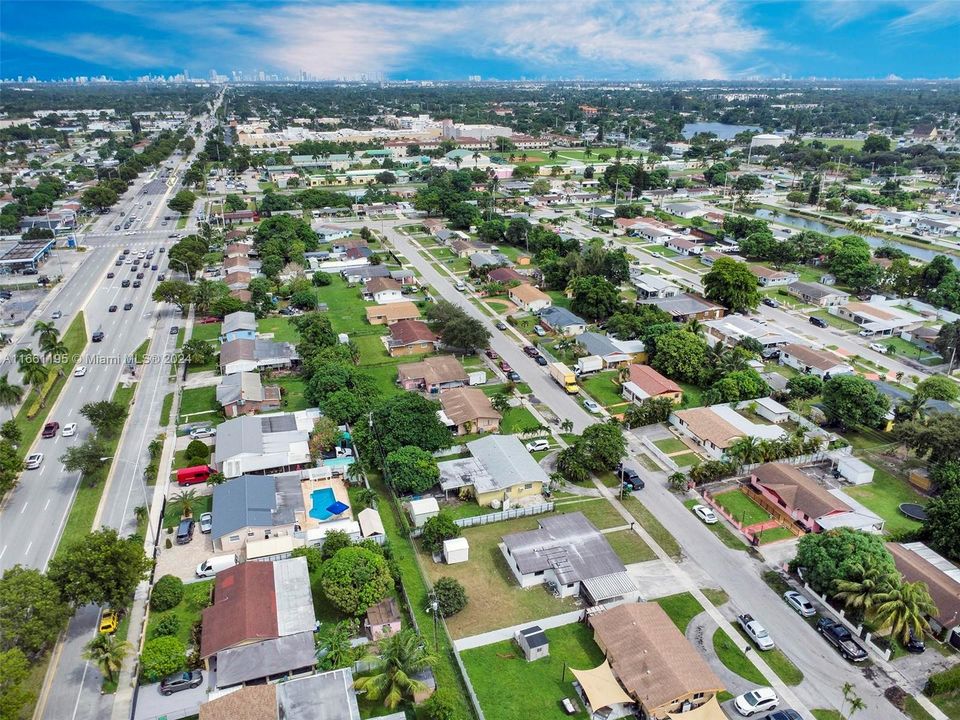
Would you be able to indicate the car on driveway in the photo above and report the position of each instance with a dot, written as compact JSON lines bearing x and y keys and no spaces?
{"x":591,"y":406}
{"x":705,"y":513}
{"x":33,"y":461}
{"x":538,"y":445}
{"x":206,"y":522}
{"x":756,"y":701}
{"x":631,"y":478}
{"x":69,"y":430}
{"x":205,"y":432}
{"x":181,"y":681}
{"x":50,"y":430}
{"x":785,"y":714}
{"x":80,"y":371}
{"x":185,"y":531}
{"x":799,"y":603}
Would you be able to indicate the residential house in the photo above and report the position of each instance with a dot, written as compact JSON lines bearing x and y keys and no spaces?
{"x":924,"y":336}
{"x":325,"y":696}
{"x":329,"y":232}
{"x":649,"y":231}
{"x":243,"y":393}
{"x":799,"y":499}
{"x":382,"y":290}
{"x":596,"y":214}
{"x":684,"y":209}
{"x":498,"y":471}
{"x":768,"y":277}
{"x":717,"y":427}
{"x":653,"y":286}
{"x":645,"y":382}
{"x":817,"y":294}
{"x":684,"y":246}
{"x":382,"y":620}
{"x":649,"y":658}
{"x":918,"y":563}
{"x":255,"y":507}
{"x":711,"y":256}
{"x":406,"y":277}
{"x":878,"y":320}
{"x":264,"y":444}
{"x":411,"y":337}
{"x":562,"y":321}
{"x":237,"y":249}
{"x":391,"y":313}
{"x":361,"y":272}
{"x":732,"y":329}
{"x":432,"y":225}
{"x":462,"y":248}
{"x":260,"y":625}
{"x":814,"y":362}
{"x":432,"y":375}
{"x":468,"y":410}
{"x":569,"y":553}
{"x":506,"y":275}
{"x":238,"y":279}
{"x":489,"y":259}
{"x":237,"y":326}
{"x":259,"y":354}
{"x":685,"y":307}
{"x":606,"y":348}
{"x":527,"y":297}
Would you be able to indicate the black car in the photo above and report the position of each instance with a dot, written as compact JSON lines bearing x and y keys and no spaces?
{"x":181,"y":681}
{"x":111,"y":276}
{"x":5,"y":294}
{"x":162,"y":277}
{"x":126,"y":251}
{"x":137,"y":283}
{"x":786,"y":714}
{"x":116,"y":227}
{"x":125,"y":283}
{"x":133,"y":268}
{"x":501,"y":326}
{"x":770,"y":302}
{"x":153,"y":267}
{"x":185,"y":532}
{"x":112,"y":308}
{"x":915,"y":644}
{"x":139,"y":276}
{"x":819,"y":322}
{"x":630,"y":477}
{"x":174,"y":330}
{"x":514,"y":376}
{"x":128,"y":306}
{"x":541,"y":360}
{"x":97,"y":336}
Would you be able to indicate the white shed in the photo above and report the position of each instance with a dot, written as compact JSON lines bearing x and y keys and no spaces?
{"x":533,"y":642}
{"x":422,"y":510}
{"x":854,"y":470}
{"x":456,"y":550}
{"x":770,"y":409}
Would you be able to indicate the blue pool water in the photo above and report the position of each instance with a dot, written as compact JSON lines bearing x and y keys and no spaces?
{"x":320,"y":500}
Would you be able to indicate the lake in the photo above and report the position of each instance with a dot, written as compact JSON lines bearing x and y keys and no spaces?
{"x":721,"y":130}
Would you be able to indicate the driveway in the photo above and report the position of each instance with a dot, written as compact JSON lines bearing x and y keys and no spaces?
{"x":700,"y":633}
{"x":151,"y":705}
{"x":182,"y":560}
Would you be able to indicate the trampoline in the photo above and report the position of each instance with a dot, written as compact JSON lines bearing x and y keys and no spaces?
{"x":913,"y":511}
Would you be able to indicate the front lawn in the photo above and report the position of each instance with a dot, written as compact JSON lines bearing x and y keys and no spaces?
{"x":884,"y":496}
{"x":671,"y":445}
{"x":687,"y":459}
{"x":195,"y":401}
{"x":516,"y":420}
{"x":775,"y":535}
{"x":201,"y":504}
{"x":734,"y":659}
{"x":722,"y":532}
{"x":742,"y":508}
{"x":196,"y":596}
{"x":345,"y":307}
{"x":281,"y":328}
{"x":510,"y":688}
{"x":648,"y":521}
{"x":682,"y":608}
{"x":209,"y":332}
{"x":630,"y":547}
{"x":598,"y":511}
{"x":603,"y":388}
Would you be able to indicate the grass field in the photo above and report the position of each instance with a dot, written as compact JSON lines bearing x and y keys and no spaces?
{"x":603,"y":388}
{"x":344,"y":307}
{"x":372,"y":350}
{"x":687,"y":459}
{"x":629,"y":546}
{"x":692,"y":395}
{"x":671,"y":445}
{"x":209,"y":332}
{"x":517,"y":419}
{"x":745,"y":510}
{"x":292,"y":387}
{"x":682,"y":608}
{"x":510,"y":688}
{"x":775,"y":535}
{"x":201,"y":504}
{"x":194,"y":401}
{"x":195,"y":596}
{"x":165,"y":409}
{"x":281,"y":328}
{"x":661,"y":536}
{"x":884,"y":495}
{"x":600,"y":512}
{"x":733,"y":658}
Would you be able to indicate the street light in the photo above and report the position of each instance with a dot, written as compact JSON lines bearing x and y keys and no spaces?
{"x":185,"y":267}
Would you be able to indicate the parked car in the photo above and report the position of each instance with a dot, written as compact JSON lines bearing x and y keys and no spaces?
{"x":770,"y":302}
{"x":819,"y":322}
{"x":33,"y":461}
{"x":841,"y":638}
{"x":206,"y":522}
{"x":541,"y":360}
{"x":80,"y":371}
{"x":174,"y":330}
{"x":505,"y":366}
{"x":181,"y":681}
{"x":705,"y":513}
{"x":591,"y":406}
{"x":109,"y":620}
{"x":799,"y":603}
{"x":631,"y":478}
{"x":538,"y":445}
{"x":514,"y":376}
{"x":490,"y":354}
{"x":501,"y":325}
{"x":538,"y":329}
{"x":530,"y":351}
{"x":756,"y":632}
{"x":185,"y":531}
{"x":915,"y":644}
{"x":50,"y":430}
{"x":877,"y":347}
{"x":204,"y":432}
{"x":755,"y":701}
{"x":785,"y":714}
{"x":69,"y":430}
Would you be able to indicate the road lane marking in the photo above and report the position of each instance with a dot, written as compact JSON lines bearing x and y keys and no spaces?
{"x":24,"y":507}
{"x":3,"y":551}
{"x":46,"y":505}
{"x":29,"y":545}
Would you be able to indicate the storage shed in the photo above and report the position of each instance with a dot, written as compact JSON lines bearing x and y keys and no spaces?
{"x":854,"y":470}
{"x":422,"y":510}
{"x":456,"y":550}
{"x":533,"y":642}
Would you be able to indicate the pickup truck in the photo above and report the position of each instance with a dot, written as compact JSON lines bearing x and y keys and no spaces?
{"x":838,"y":636}
{"x":756,"y":632}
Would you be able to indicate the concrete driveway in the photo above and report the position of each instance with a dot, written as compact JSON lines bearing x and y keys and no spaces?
{"x":151,"y":705}
{"x":182,"y":560}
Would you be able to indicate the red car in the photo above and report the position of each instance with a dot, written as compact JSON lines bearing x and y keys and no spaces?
{"x":208,"y":320}
{"x":505,"y":366}
{"x":50,"y":430}
{"x":491,"y":354}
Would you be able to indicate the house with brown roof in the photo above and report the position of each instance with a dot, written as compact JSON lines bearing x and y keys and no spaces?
{"x":651,"y":661}
{"x":798,"y":497}
{"x":813,"y":362}
{"x":506,"y":275}
{"x":432,"y":375}
{"x":391,"y":312}
{"x":645,"y":382}
{"x":768,"y":277}
{"x":918,"y":563}
{"x":527,"y":297}
{"x":462,"y":248}
{"x":382,"y":290}
{"x":260,"y":623}
{"x":411,"y":337}
{"x":244,"y":393}
{"x":468,"y":410}
{"x":717,"y":427}
{"x":325,"y":696}
{"x":238,"y":279}
{"x":382,"y":620}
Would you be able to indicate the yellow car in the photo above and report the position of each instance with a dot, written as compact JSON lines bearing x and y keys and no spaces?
{"x":108,"y":622}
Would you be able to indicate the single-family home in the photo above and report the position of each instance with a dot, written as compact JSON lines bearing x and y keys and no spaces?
{"x":918,"y":563}
{"x":432,"y":375}
{"x":391,"y":313}
{"x":264,"y":444}
{"x":768,"y":277}
{"x":255,"y":507}
{"x":684,"y":209}
{"x":732,"y":329}
{"x":468,"y":410}
{"x":598,"y":214}
{"x":432,"y":225}
{"x":361,"y":271}
{"x":924,"y":336}
{"x":244,"y":393}
{"x":717,"y":427}
{"x":507,"y":276}
{"x":686,"y":307}
{"x":650,"y":659}
{"x":711,"y":256}
{"x":259,"y":354}
{"x":604,"y":347}
{"x":814,"y":362}
{"x":652,"y":286}
{"x":877,"y":320}
{"x":569,"y":553}
{"x":461,"y":247}
{"x":382,"y":290}
{"x":240,"y":325}
{"x":488,"y":259}
{"x":562,"y":321}
{"x":325,"y":696}
{"x":817,"y":294}
{"x":499,"y":471}
{"x":260,"y":624}
{"x":529,"y":298}
{"x":411,"y":337}
{"x":327,"y":232}
{"x":649,"y":231}
{"x":645,"y":382}
{"x":684,"y":246}
{"x":238,"y":279}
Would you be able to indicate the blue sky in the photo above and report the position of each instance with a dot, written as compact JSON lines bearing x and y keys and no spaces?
{"x":506,"y":39}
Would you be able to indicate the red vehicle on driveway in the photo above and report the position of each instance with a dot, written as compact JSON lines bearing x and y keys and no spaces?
{"x":193,"y":475}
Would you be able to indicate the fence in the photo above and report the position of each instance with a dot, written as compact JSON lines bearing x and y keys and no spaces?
{"x":855,"y":629}
{"x":496,"y":517}
{"x":798,"y":460}
{"x":469,"y":685}
{"x":661,"y":456}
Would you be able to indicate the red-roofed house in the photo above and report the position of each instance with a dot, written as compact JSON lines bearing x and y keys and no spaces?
{"x":645,"y":382}
{"x":411,"y":337}
{"x":506,"y":275}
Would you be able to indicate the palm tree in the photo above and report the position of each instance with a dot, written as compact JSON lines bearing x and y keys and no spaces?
{"x":35,"y":374}
{"x":24,"y":356}
{"x":401,"y":657}
{"x":572,"y":464}
{"x":745,"y":450}
{"x":695,"y":326}
{"x":476,"y":157}
{"x":184,"y":502}
{"x":366,"y":497}
{"x":46,"y":330}
{"x":10,"y":393}
{"x":866,"y":584}
{"x":355,"y":473}
{"x":567,"y":425}
{"x":500,"y":402}
{"x":457,"y":160}
{"x":58,"y":353}
{"x":552,"y":154}
{"x":905,"y":607}
{"x":107,"y":653}
{"x":333,"y":646}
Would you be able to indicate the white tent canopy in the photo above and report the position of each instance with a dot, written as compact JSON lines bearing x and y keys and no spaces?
{"x":601,"y":687}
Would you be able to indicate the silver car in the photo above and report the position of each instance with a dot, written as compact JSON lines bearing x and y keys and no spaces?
{"x":799,"y":603}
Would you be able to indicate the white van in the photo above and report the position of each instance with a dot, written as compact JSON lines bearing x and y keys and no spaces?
{"x":211,"y":566}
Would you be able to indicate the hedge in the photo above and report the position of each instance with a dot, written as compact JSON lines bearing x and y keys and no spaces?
{"x":943,"y":682}
{"x":162,"y":656}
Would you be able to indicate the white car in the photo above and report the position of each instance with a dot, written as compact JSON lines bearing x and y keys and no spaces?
{"x":877,"y":347}
{"x":80,"y":371}
{"x":799,"y":603}
{"x":69,"y":430}
{"x":538,"y":445}
{"x":706,"y":514}
{"x":591,"y":406}
{"x":200,"y":433}
{"x":34,"y":460}
{"x":759,"y":700}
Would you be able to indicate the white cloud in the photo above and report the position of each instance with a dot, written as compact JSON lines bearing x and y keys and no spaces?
{"x":939,"y":14}
{"x":89,"y":47}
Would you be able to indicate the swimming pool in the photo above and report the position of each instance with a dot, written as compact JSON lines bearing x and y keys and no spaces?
{"x":320,"y":500}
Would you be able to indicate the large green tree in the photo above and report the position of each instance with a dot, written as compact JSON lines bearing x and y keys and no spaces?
{"x":182,"y":202}
{"x":942,"y":527}
{"x":936,"y":436}
{"x":731,"y":284}
{"x":31,"y":611}
{"x":604,"y":445}
{"x":85,"y":458}
{"x":355,"y":579}
{"x":411,"y":470}
{"x":400,"y":420}
{"x":101,"y":568}
{"x":106,"y":416}
{"x":594,"y":297}
{"x":177,"y":292}
{"x":14,"y":695}
{"x":851,"y":400}
{"x":828,"y":557}
{"x":437,"y":529}
{"x":681,"y":355}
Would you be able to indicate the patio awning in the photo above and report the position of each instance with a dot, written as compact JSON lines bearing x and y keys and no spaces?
{"x":601,"y":687}
{"x":710,"y":710}
{"x":609,"y":586}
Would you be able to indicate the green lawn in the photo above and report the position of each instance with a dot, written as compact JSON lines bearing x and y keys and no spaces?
{"x":510,"y":688}
{"x":778,"y":662}
{"x":385,"y":376}
{"x":603,"y":388}
{"x":661,"y":536}
{"x":209,"y":332}
{"x":599,"y":511}
{"x":671,"y":445}
{"x":629,"y":546}
{"x":682,"y":608}
{"x":372,"y":350}
{"x":292,"y":387}
{"x":734,"y":659}
{"x":202,"y":504}
{"x":345,"y":307}
{"x":195,"y":598}
{"x":195,"y":401}
{"x":559,"y":298}
{"x":517,"y":419}
{"x":165,"y":409}
{"x":281,"y":327}
{"x":692,"y":395}
{"x":722,"y":532}
{"x":884,"y":495}
{"x":688,"y":459}
{"x":745,"y":510}
{"x":775,"y":534}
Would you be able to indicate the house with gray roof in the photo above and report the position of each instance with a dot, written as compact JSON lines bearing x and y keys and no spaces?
{"x":489,"y":259}
{"x":562,"y":321}
{"x":499,"y":469}
{"x":238,"y":325}
{"x":243,"y":393}
{"x":686,"y":307}
{"x":254,"y":507}
{"x":568,"y":552}
{"x":263,"y":444}
{"x":248,"y":355}
{"x":605,"y":348}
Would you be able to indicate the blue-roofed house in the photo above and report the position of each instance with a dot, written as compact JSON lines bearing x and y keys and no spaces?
{"x":254,"y":507}
{"x":240,"y":325}
{"x":562,"y":321}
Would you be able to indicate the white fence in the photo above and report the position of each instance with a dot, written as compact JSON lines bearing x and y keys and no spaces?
{"x":659,"y":454}
{"x":495,"y":517}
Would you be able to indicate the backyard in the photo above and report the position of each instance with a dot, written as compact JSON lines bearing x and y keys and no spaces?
{"x":884,"y":496}
{"x":604,"y":388}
